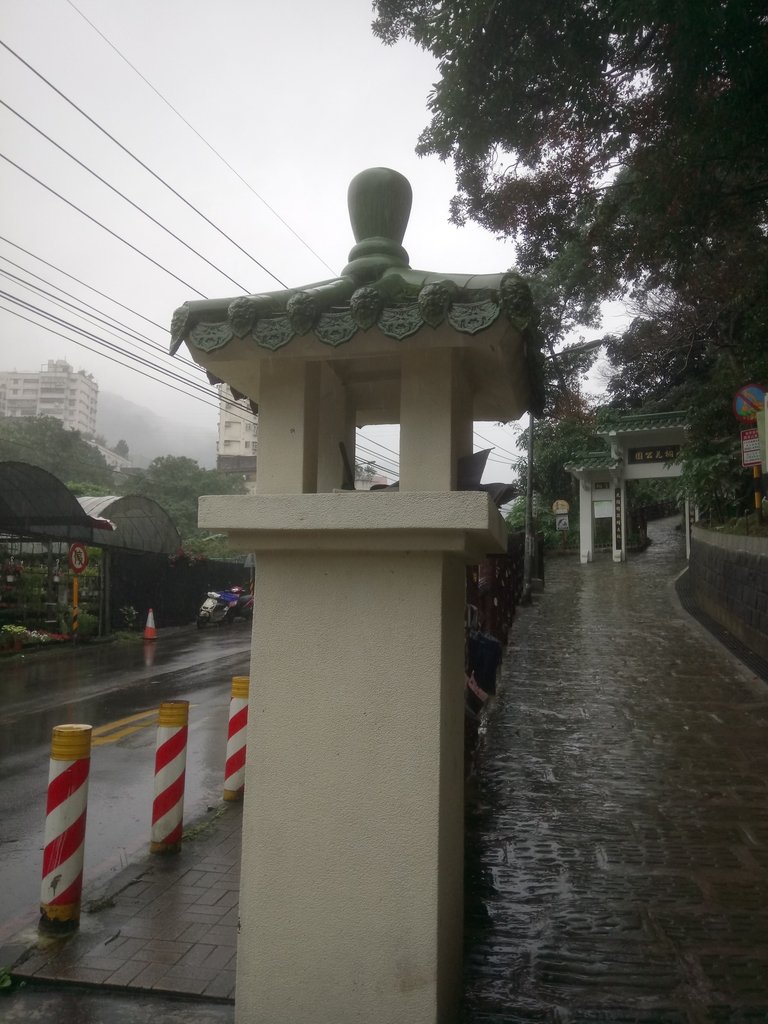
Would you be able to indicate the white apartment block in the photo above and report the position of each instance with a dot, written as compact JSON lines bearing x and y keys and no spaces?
{"x":238,"y":436}
{"x":55,"y":390}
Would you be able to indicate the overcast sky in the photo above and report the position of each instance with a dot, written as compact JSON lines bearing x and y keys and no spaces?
{"x":298,"y":97}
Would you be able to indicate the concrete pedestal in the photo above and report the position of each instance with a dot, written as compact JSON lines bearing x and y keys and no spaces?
{"x":351,"y":906}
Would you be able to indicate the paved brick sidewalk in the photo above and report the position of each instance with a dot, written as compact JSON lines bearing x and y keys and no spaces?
{"x":167,"y":924}
{"x":618,"y":843}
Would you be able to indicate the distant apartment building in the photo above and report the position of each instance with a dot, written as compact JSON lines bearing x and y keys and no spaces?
{"x":238,"y":437}
{"x":55,"y":390}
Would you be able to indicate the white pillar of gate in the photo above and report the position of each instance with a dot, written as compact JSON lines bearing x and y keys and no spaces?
{"x":687,"y":512}
{"x":586,"y":522}
{"x":619,"y":519}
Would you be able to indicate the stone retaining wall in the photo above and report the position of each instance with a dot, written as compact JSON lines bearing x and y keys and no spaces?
{"x":729,"y":581}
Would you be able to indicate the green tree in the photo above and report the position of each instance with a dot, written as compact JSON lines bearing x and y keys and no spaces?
{"x":44,"y":441}
{"x":556,"y":443}
{"x":121,"y":448}
{"x":623,"y":148}
{"x":176,"y":483}
{"x":620,"y":143}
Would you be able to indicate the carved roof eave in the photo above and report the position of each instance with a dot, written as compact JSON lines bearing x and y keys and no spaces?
{"x":400,"y":302}
{"x":595,"y":464}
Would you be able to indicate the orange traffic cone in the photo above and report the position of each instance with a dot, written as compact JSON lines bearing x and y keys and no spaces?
{"x":150,"y":633}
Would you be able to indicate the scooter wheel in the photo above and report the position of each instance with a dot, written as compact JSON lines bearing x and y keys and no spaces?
{"x":202,"y":623}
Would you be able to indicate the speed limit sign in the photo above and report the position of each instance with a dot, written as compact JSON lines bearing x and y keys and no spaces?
{"x":78,"y":557}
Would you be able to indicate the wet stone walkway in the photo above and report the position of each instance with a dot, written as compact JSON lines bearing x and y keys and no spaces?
{"x":617,"y":859}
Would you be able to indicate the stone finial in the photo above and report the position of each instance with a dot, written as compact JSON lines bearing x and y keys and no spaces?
{"x":379,"y":201}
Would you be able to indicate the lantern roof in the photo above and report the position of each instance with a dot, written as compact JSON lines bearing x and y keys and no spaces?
{"x":376,"y":295}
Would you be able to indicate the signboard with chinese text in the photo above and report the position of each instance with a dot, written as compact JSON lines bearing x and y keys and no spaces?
{"x":750,"y":448}
{"x":653,"y":453}
{"x":561,"y":522}
{"x":617,"y":513}
{"x":600,"y":485}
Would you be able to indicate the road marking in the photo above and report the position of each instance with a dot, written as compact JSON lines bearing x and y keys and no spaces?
{"x":101,"y":729}
{"x":112,"y":731}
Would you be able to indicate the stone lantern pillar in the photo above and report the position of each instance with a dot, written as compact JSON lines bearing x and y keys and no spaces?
{"x":351,"y":895}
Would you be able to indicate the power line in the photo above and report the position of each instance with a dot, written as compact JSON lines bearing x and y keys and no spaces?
{"x":95,"y":221}
{"x":205,"y":142}
{"x":123,"y":352}
{"x":379,"y":445}
{"x":384,"y":470}
{"x":126,"y":366}
{"x":390,"y":471}
{"x":107,"y":327}
{"x":141,"y":163}
{"x":77,"y":280}
{"x":133,"y":334}
{"x":122,"y":195}
{"x":107,"y":344}
{"x":513,"y":455}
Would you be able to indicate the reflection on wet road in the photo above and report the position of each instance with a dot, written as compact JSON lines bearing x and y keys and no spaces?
{"x":617,"y":850}
{"x":116,"y":688}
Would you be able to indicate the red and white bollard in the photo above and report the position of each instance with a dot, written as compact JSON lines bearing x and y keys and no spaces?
{"x":234,"y":771}
{"x":170,"y":770}
{"x":66,"y":808}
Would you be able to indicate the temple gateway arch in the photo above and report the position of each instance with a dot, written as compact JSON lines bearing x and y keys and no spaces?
{"x":643,"y":446}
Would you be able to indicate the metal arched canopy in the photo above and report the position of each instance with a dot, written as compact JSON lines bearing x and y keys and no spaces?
{"x":35,"y":503}
{"x":140,"y":524}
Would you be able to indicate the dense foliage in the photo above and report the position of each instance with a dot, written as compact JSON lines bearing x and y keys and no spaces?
{"x":623,"y":147}
{"x":624,"y":140}
{"x":44,"y":441}
{"x":175,"y":483}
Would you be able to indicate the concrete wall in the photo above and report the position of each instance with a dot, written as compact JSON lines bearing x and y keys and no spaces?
{"x":729,"y":581}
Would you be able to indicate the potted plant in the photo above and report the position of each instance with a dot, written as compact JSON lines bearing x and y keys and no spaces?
{"x":13,"y":636}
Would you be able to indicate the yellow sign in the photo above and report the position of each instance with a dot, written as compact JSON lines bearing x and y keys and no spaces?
{"x":561,"y":507}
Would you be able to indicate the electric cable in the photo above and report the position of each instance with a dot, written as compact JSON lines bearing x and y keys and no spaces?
{"x":384,"y":470}
{"x":126,"y":366}
{"x":498,"y":447}
{"x":124,"y":328}
{"x":107,"y":344}
{"x":129,"y":355}
{"x":392,"y":469}
{"x":77,"y":280}
{"x":205,"y":142}
{"x":378,"y":445}
{"x":160,"y":348}
{"x":141,"y":163}
{"x":108,"y":230}
{"x":122,"y":195}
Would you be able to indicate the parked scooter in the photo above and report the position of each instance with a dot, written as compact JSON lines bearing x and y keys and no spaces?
{"x":224,"y":606}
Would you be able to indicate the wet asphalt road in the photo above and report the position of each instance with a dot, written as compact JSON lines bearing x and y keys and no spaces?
{"x":618,"y":836}
{"x":102,"y":686}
